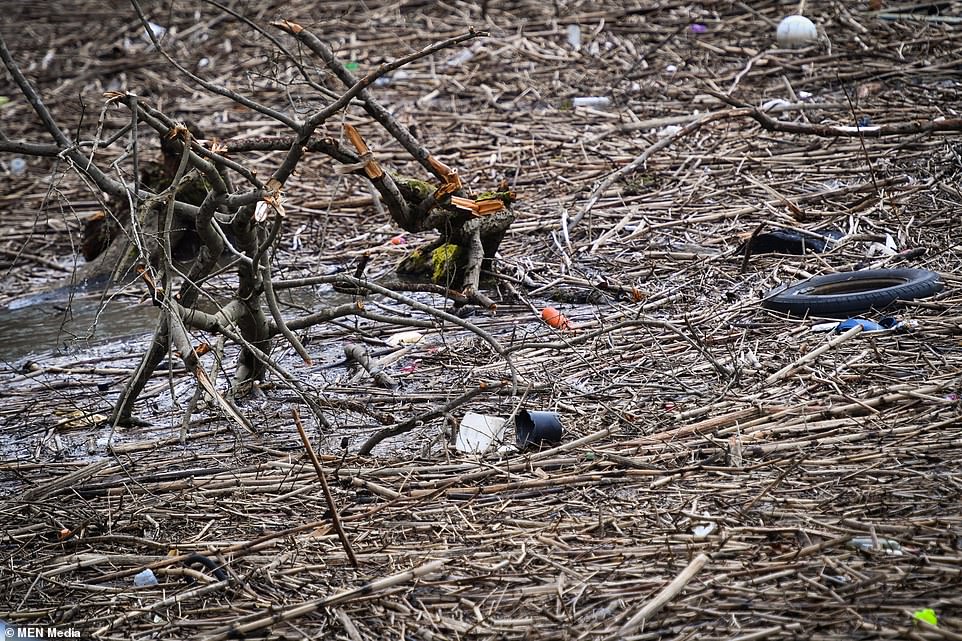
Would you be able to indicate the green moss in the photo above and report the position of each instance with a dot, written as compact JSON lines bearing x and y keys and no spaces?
{"x":415,"y":263}
{"x":504,"y":196}
{"x":445,"y":261}
{"x":412,"y":189}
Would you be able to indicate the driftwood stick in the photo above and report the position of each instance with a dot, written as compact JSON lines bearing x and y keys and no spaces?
{"x":812,"y":355}
{"x":174,"y":599}
{"x":371,"y":365}
{"x":181,"y":340}
{"x":668,"y":593}
{"x":274,"y":306}
{"x":437,"y":313}
{"x":947,"y":125}
{"x":335,"y":518}
{"x":358,"y":87}
{"x":378,"y":585}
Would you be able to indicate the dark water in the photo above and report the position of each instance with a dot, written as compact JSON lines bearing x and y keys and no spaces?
{"x":69,"y":320}
{"x":61,"y":322}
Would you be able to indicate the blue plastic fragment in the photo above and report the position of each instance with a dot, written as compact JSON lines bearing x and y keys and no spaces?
{"x":885,"y":324}
{"x":867,"y":325}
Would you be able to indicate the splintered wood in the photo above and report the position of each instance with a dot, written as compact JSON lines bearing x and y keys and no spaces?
{"x":725,"y":472}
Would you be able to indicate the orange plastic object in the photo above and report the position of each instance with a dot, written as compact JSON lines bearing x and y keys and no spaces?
{"x":555,"y":319}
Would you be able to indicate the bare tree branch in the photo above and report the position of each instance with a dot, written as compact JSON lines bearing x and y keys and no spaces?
{"x":210,"y":86}
{"x":358,"y":87}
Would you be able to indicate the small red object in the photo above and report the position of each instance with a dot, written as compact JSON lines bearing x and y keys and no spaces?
{"x":555,"y":319}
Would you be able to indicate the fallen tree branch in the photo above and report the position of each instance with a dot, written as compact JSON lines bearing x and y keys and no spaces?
{"x":947,"y":125}
{"x":372,"y":366}
{"x":358,"y":88}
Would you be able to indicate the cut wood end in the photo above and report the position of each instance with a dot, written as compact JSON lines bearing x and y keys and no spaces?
{"x":490,"y":206}
{"x":462,"y":203}
{"x":440,"y":167}
{"x":373,"y":169}
{"x":287,"y":25}
{"x":355,"y":137}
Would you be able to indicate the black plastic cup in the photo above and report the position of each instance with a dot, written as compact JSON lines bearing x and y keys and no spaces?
{"x":536,"y":428}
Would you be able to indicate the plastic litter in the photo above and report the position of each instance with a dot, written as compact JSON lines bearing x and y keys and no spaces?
{"x":867,"y":544}
{"x":888,"y":248}
{"x":158,"y":31}
{"x":390,"y":78}
{"x":534,"y":428}
{"x":18,"y":166}
{"x":555,"y":319}
{"x":591,"y":101}
{"x":404,"y":338}
{"x":145,"y":578}
{"x":796,"y":31}
{"x":887,"y":324}
{"x":774,"y":103}
{"x":668,"y":130}
{"x":460,"y":58}
{"x":786,"y":241}
{"x":477,"y":432}
{"x":927,"y":615}
{"x":574,"y":36}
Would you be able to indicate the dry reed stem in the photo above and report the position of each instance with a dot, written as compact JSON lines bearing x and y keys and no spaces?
{"x":696,"y":424}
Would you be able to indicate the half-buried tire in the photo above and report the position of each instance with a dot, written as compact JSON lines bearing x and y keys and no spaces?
{"x":847,"y":293}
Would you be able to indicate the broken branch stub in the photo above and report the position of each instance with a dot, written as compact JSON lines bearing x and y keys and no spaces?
{"x":466,"y":247}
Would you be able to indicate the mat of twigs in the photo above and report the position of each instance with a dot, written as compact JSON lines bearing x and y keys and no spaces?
{"x":718,"y":478}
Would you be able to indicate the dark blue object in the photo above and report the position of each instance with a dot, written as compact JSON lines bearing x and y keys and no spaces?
{"x":869,"y":326}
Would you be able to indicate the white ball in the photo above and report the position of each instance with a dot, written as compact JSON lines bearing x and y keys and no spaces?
{"x":796,"y":31}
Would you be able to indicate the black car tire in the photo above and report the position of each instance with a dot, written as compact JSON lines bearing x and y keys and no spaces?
{"x":848,"y":293}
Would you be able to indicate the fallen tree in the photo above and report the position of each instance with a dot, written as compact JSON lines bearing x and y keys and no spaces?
{"x":236,"y":218}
